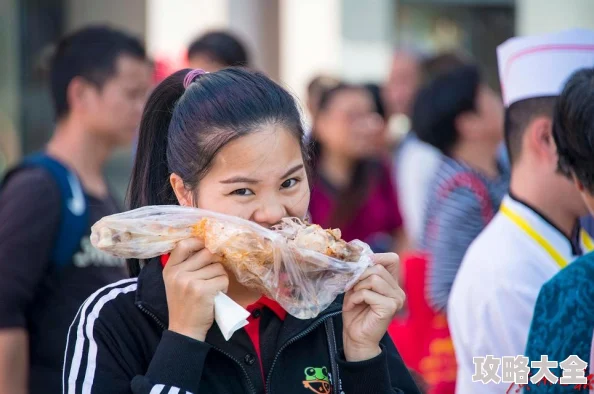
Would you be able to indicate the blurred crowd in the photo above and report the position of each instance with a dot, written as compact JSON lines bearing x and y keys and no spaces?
{"x":480,"y":193}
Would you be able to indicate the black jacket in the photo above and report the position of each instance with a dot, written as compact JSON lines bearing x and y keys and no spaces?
{"x":119,"y":343}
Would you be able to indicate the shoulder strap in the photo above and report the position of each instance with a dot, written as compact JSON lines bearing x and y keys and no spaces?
{"x":332,"y":348}
{"x":74,"y":219}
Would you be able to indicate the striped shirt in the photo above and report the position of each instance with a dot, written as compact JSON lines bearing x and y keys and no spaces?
{"x":460,"y":203}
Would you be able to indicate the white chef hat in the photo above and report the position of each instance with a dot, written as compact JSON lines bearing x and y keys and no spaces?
{"x":539,"y":66}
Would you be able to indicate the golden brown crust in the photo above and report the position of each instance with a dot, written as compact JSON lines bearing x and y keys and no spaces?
{"x":236,"y":244}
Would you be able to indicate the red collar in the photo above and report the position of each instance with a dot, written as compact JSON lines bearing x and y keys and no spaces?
{"x":164,"y":259}
{"x":262,"y":302}
{"x":270,"y":304}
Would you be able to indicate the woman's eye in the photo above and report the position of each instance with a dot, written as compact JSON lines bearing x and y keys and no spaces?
{"x":242,"y":192}
{"x":289,"y":183}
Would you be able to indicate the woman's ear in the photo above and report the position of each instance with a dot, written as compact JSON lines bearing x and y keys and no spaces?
{"x":184,"y":196}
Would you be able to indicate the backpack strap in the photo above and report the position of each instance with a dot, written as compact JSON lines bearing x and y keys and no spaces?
{"x":74,"y":221}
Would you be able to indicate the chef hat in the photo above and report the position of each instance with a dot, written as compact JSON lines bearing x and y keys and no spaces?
{"x":539,"y":66}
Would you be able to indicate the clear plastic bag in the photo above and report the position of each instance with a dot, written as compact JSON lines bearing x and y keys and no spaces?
{"x":303,"y":267}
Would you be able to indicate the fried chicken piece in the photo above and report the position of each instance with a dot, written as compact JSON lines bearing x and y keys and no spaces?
{"x":315,"y":238}
{"x":248,"y":255}
{"x":328,"y":242}
{"x":235,"y":242}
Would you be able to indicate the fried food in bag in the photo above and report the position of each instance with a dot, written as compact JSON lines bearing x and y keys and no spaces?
{"x":302,"y":266}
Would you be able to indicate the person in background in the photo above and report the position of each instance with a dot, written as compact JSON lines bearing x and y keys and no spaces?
{"x":376,"y":93}
{"x":216,"y":50}
{"x":315,"y":89}
{"x":563,"y":319}
{"x":461,"y":116}
{"x":403,"y":83}
{"x":534,"y":234}
{"x":381,"y":109}
{"x":99,"y":82}
{"x":353,"y":188}
{"x":414,"y":162}
{"x":379,"y":106}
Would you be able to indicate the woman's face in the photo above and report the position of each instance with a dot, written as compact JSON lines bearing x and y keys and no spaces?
{"x":260,"y":177}
{"x":349,"y":125}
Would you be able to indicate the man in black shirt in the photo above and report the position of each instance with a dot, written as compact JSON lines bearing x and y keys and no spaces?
{"x":99,"y":81}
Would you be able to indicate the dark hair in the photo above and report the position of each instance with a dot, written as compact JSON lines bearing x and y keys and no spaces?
{"x":316,"y":88}
{"x":320,"y":84}
{"x":182,"y":130}
{"x":355,"y":193}
{"x":573,"y":128}
{"x":439,"y":64}
{"x":90,"y":53}
{"x":440,"y":102}
{"x":517,"y":118}
{"x":221,"y":46}
{"x":378,"y":101}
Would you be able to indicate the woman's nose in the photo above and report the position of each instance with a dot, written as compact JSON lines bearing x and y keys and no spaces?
{"x":269,"y":213}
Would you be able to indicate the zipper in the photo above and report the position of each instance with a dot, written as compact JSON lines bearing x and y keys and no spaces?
{"x":293,"y":340}
{"x":247,"y":377}
{"x":152,"y":315}
{"x":331,"y":335}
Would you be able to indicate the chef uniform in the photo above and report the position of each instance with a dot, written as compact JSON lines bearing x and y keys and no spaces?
{"x":493,"y":296}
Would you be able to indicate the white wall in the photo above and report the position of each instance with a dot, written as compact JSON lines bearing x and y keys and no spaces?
{"x":173,"y":24}
{"x":546,"y":16}
{"x":256,"y":23}
{"x":123,"y":14}
{"x":368,"y":36}
{"x":310,"y":41}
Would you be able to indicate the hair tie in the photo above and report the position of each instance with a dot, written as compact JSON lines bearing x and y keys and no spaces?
{"x":192,"y":75}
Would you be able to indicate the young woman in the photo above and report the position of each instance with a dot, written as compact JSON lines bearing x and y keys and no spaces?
{"x":231,"y":142}
{"x":353,"y":187}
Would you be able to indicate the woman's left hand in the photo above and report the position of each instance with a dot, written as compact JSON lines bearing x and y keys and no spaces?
{"x":370,"y":306}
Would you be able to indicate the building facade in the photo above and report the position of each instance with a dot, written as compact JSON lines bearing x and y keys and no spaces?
{"x":290,"y":40}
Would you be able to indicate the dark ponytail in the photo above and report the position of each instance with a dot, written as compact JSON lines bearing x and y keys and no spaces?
{"x":182,"y":129}
{"x":149,"y":184}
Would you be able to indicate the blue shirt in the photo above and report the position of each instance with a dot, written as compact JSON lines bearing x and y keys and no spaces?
{"x":564,"y":320}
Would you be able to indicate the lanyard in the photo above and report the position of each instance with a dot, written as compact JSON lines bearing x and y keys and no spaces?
{"x":539,"y":239}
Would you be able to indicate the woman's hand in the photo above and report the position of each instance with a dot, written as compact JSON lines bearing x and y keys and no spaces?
{"x":193,"y":276}
{"x":370,"y":306}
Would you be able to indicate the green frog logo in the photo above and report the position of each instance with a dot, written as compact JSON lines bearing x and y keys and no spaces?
{"x":316,"y":380}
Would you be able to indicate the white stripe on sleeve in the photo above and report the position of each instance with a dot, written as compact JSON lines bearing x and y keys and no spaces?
{"x":80,"y":338}
{"x":92,"y":357}
{"x":174,"y":390}
{"x":157,"y":389}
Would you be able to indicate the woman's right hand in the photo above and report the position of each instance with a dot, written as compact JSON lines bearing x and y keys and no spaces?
{"x":193,"y":277}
